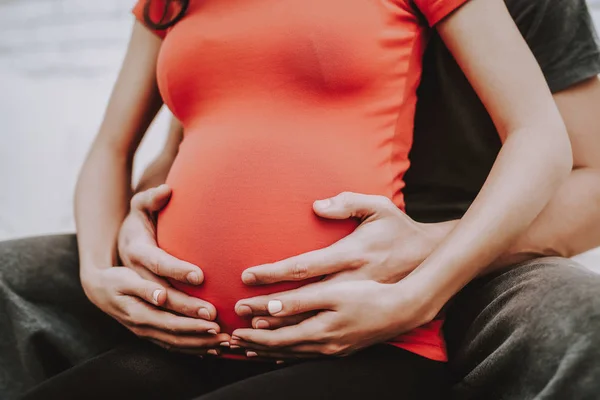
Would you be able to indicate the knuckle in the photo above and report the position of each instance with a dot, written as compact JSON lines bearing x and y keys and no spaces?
{"x":331,"y":349}
{"x":345,"y":197}
{"x":299,"y":271}
{"x":174,"y":341}
{"x":384,"y":202}
{"x":294,"y":306}
{"x":136,"y":201}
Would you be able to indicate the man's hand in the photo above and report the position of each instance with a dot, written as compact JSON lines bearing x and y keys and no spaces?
{"x":143,"y":301}
{"x":385,"y":247}
{"x":352,"y":315}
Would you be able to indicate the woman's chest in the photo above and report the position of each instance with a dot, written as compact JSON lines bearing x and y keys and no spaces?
{"x":313,"y":46}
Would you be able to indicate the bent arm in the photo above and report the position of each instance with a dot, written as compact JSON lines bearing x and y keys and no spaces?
{"x":535,"y":158}
{"x":570,"y":223}
{"x":103,"y":188}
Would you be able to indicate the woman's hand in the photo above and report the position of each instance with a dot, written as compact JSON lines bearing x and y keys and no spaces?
{"x":385,"y":247}
{"x":137,"y":239}
{"x":135,"y":302}
{"x":351,"y":315}
{"x":135,"y":294}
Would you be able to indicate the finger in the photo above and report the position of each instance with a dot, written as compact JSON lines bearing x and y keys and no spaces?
{"x":271,"y":355}
{"x":190,"y":306}
{"x":161,"y":263}
{"x":197,"y":343}
{"x":335,"y":258}
{"x":268,"y":322}
{"x":151,"y":200}
{"x":131,"y":284}
{"x":305,"y":299}
{"x":352,"y":205}
{"x":145,"y":316}
{"x":307,"y":331}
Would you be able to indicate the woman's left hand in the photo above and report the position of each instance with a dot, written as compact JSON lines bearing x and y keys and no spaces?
{"x":350,"y":315}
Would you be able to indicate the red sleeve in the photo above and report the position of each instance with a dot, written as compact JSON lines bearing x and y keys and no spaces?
{"x":157,"y":9}
{"x":436,"y":10}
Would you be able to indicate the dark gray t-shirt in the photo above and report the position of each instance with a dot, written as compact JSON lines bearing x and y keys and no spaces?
{"x":456,"y":143}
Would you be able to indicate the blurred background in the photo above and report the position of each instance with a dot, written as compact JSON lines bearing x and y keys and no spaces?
{"x":58,"y":62}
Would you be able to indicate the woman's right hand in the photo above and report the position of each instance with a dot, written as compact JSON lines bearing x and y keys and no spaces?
{"x":138,"y":296}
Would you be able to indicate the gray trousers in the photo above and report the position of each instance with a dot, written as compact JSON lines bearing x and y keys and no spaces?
{"x":530,"y":333}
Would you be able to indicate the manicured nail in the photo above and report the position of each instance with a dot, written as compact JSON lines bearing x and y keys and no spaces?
{"x":155,"y":295}
{"x":279,"y":362}
{"x":193,"y":278}
{"x":212,"y":331}
{"x":203,"y":313}
{"x":248,"y":278}
{"x":261,"y":324}
{"x":243,"y":311}
{"x":235,"y":338}
{"x":233,"y":346}
{"x":251,"y":354}
{"x":274,"y":306}
{"x":224,"y":344}
{"x":323,"y":203}
{"x":213,"y":352}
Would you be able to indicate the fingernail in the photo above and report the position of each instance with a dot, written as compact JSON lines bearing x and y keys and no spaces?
{"x":193,"y":278}
{"x":155,"y":295}
{"x":274,"y":306}
{"x":203,"y":313}
{"x":211,"y":331}
{"x":279,"y":362}
{"x":235,"y":338}
{"x":213,"y":352}
{"x":248,"y":278}
{"x":251,"y":354}
{"x":224,"y":344}
{"x":261,"y":324}
{"x":323,"y":203}
{"x":233,"y":346}
{"x":243,"y":310}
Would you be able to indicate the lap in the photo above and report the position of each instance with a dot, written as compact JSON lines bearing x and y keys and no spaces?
{"x":143,"y":371}
{"x":532,"y":330}
{"x":47,"y":324}
{"x":381,"y":372}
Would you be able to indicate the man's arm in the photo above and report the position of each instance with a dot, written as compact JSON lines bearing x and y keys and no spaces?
{"x":570,"y":223}
{"x":156,"y":172}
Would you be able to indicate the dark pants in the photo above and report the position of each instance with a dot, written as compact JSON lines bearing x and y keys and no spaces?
{"x":530,"y":333}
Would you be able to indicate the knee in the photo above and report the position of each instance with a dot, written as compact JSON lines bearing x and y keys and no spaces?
{"x":553,"y":308}
{"x":23,"y":261}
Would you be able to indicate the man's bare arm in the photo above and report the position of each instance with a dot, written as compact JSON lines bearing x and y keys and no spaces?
{"x":156,"y":172}
{"x":570,"y":223}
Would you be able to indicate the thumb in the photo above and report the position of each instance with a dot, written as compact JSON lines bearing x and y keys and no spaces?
{"x":152,"y":200}
{"x":352,"y":205}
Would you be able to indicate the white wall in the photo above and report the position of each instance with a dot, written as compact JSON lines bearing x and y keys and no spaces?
{"x":58,"y":61}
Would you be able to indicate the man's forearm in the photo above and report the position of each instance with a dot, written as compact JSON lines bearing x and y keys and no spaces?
{"x":568,"y":225}
{"x":155,"y":174}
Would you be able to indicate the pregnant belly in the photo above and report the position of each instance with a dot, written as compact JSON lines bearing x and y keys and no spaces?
{"x":243,"y":202}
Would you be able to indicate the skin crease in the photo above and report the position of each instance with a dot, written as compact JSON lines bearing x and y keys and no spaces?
{"x":125,"y":293}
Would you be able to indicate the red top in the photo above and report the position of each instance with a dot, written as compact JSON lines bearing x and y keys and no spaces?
{"x":284,"y":102}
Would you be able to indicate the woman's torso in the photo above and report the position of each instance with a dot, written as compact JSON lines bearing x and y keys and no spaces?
{"x":283,"y":102}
